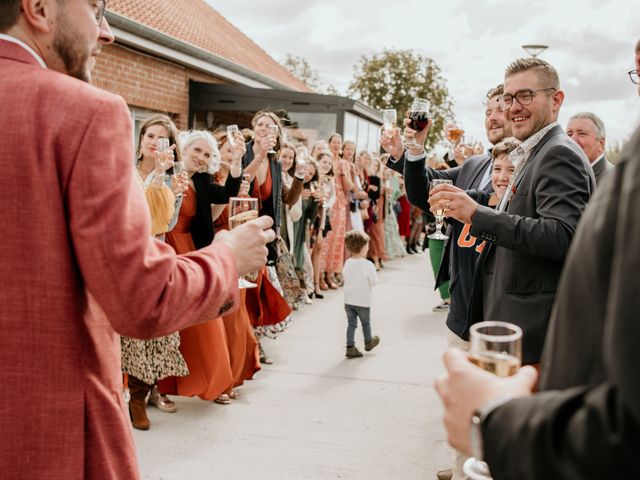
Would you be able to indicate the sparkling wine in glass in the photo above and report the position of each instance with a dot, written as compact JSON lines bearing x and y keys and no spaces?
{"x":231,"y":134}
{"x":178,"y":169}
{"x":243,"y":210}
{"x":162,"y":145}
{"x":454,"y":134}
{"x":419,"y":116}
{"x":273,"y":132}
{"x":439,"y":214}
{"x":390,"y":120}
{"x":496,"y":347}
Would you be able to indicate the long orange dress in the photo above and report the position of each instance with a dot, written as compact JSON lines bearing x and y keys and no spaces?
{"x":203,"y":346}
{"x":264,"y":303}
{"x":242,"y":343}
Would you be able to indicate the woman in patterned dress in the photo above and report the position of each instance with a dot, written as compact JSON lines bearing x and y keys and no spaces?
{"x":332,"y":257}
{"x":147,"y":361}
{"x":394,"y":246}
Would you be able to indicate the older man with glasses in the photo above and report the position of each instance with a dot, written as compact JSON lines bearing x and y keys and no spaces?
{"x":530,"y":231}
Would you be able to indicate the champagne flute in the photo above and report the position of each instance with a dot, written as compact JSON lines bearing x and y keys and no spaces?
{"x":390,"y":120}
{"x":162,"y":145}
{"x":243,"y":210}
{"x":301,"y":155}
{"x":419,"y":116}
{"x":231,"y":134}
{"x":439,"y":214}
{"x":454,"y":134}
{"x":246,"y":177}
{"x":273,"y":132}
{"x":178,"y":169}
{"x":496,"y":347}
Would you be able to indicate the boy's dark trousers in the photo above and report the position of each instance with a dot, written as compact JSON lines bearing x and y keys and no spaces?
{"x":353,"y":313}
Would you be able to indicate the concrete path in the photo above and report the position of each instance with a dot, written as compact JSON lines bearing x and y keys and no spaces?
{"x":314,"y":414}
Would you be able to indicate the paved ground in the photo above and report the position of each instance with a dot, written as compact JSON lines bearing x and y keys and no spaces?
{"x":314,"y":414}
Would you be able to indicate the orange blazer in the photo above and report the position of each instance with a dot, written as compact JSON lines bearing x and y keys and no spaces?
{"x":78,"y":267}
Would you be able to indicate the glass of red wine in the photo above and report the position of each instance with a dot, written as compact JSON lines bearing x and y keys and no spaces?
{"x":419,"y":116}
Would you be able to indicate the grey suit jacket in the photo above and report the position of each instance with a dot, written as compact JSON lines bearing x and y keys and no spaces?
{"x":517,"y":275}
{"x":601,"y":168}
{"x":587,"y":426}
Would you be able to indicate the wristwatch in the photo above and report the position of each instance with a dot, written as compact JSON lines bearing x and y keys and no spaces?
{"x":477,"y":419}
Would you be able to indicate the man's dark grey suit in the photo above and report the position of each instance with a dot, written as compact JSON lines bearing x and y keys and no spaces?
{"x":517,"y":273}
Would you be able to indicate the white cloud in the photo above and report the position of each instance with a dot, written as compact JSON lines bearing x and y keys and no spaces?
{"x":590,"y":43}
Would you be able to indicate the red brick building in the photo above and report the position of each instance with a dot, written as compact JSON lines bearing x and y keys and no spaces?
{"x":164,"y":48}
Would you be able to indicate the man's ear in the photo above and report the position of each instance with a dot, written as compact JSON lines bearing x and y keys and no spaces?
{"x":40,"y":15}
{"x":558,"y":98}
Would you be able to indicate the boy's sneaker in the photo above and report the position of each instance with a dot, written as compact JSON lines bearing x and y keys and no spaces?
{"x":441,"y":307}
{"x":372,"y":344}
{"x":353,"y":352}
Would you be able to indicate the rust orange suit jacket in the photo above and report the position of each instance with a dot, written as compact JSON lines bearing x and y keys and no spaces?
{"x":78,"y":267}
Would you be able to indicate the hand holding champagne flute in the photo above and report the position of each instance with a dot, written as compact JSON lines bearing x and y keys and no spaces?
{"x":243,"y":210}
{"x":496,"y":347}
{"x":180,"y":179}
{"x":439,"y":213}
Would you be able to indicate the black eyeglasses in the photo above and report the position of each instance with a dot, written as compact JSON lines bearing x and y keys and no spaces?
{"x":634,"y":76}
{"x":524,"y":97}
{"x":100,"y":6}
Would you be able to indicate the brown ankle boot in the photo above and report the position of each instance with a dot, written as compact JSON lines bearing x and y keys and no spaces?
{"x":137,"y":404}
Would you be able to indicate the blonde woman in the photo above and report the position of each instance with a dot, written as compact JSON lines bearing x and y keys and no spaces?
{"x":148,"y":361}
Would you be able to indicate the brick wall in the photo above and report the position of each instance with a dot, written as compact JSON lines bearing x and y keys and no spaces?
{"x":148,"y":82}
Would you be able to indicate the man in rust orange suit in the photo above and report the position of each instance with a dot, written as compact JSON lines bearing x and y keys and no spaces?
{"x":78,"y":264}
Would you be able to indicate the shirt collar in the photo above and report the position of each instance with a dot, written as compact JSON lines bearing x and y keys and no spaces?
{"x":31,"y":51}
{"x":523,"y":151}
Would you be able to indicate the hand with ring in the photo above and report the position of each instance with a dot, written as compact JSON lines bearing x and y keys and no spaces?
{"x":458,"y":205}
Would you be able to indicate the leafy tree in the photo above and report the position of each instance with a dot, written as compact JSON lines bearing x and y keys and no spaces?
{"x":303,"y":71}
{"x":392,"y":79}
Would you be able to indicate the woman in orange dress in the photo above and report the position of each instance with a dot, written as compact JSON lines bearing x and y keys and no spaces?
{"x":267,"y":307}
{"x":203,"y":346}
{"x":242,"y":343}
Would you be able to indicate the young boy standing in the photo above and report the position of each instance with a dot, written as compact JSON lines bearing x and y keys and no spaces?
{"x":359,"y":276}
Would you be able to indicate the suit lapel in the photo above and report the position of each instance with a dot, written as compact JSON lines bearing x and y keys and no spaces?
{"x":599,"y":166}
{"x":557,"y":130}
{"x":479,"y":171}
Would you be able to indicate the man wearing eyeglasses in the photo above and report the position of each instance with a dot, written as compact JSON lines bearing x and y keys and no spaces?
{"x":530,"y":231}
{"x":78,"y":260}
{"x":584,"y":423}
